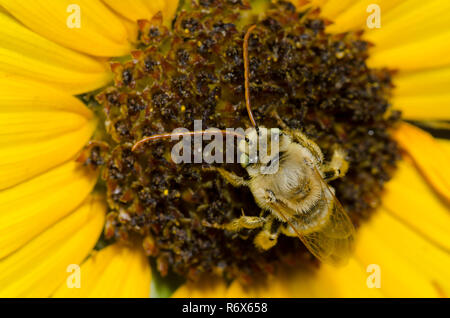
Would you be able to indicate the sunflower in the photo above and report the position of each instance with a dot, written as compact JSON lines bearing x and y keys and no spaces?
{"x":54,"y":56}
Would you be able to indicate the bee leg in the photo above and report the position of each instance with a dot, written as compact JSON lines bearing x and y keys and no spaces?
{"x":337,"y":167}
{"x":269,"y":196}
{"x":230,"y":177}
{"x":280,"y":121}
{"x":298,"y":137}
{"x":268,"y":236}
{"x":245,"y":222}
{"x":284,"y":228}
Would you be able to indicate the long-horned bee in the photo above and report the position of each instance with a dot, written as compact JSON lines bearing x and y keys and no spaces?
{"x":290,"y":185}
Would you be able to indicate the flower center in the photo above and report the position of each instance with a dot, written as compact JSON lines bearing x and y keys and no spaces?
{"x":312,"y":81}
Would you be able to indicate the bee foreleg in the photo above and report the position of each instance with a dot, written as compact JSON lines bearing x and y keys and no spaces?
{"x":280,"y":121}
{"x":337,"y":167}
{"x":300,"y":138}
{"x":230,"y":177}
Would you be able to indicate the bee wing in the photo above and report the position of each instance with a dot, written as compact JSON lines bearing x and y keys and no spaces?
{"x":333,"y":240}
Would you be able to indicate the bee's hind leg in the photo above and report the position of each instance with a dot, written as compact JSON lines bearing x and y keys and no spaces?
{"x":245,"y":222}
{"x":268,"y":236}
{"x":337,"y":167}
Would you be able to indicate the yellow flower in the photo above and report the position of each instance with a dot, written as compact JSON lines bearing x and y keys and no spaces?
{"x":49,"y":219}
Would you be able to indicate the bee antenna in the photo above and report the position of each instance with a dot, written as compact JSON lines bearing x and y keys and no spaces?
{"x":190,"y":133}
{"x":246,"y":75}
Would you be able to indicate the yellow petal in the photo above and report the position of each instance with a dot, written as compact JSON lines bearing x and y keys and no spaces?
{"x":423,"y":95}
{"x":141,"y":9}
{"x":101,"y":33}
{"x":445,"y":144}
{"x":170,"y":10}
{"x":413,"y":35}
{"x":348,"y":281}
{"x":25,"y":160}
{"x":435,"y":124}
{"x":428,"y":155}
{"x":115,"y":271}
{"x":167,"y":7}
{"x":429,"y":52}
{"x":410,"y":266}
{"x":412,"y":201}
{"x":435,"y":82}
{"x":31,"y":207}
{"x":40,"y":128}
{"x":25,"y":53}
{"x":137,"y":9}
{"x":353,"y":16}
{"x":332,"y":8}
{"x":211,"y":287}
{"x":275,"y":287}
{"x":410,"y":22}
{"x":304,"y":4}
{"x":423,"y":107}
{"x":39,"y":267}
{"x":328,"y":281}
{"x":132,"y":29}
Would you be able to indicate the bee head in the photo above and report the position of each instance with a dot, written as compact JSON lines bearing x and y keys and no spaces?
{"x":261,"y":146}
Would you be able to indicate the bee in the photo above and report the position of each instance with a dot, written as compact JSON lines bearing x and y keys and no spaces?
{"x":290,"y":185}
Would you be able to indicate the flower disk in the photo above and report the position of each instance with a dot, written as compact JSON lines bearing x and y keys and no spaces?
{"x":316,"y":82}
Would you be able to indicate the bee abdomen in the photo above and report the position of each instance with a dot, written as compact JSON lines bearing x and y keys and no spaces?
{"x":314,"y":215}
